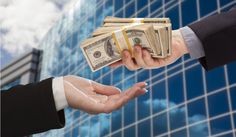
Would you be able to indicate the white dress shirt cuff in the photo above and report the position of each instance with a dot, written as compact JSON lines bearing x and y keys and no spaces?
{"x":193,"y":43}
{"x":59,"y":93}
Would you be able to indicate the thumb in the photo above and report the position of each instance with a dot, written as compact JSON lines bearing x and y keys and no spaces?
{"x":104,"y":89}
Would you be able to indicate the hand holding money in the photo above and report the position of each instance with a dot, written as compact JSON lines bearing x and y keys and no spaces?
{"x":123,"y":34}
{"x":142,"y":58}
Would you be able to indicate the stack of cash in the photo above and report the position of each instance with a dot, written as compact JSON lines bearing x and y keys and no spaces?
{"x":117,"y":34}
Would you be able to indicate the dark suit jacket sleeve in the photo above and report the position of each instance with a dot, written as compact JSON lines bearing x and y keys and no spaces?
{"x":218,"y":36}
{"x":29,"y":109}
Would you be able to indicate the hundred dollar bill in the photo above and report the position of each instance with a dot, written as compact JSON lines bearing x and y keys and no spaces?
{"x":163,"y":38}
{"x":106,"y":49}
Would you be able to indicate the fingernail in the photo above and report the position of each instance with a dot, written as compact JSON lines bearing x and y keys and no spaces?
{"x":136,"y":48}
{"x":146,"y":91}
{"x":146,"y":83}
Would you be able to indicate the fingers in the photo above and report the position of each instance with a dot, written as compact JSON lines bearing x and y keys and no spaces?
{"x":116,"y":64}
{"x":114,"y":104}
{"x":104,"y":89}
{"x":139,"y":57}
{"x":128,"y":61}
{"x":149,"y":61}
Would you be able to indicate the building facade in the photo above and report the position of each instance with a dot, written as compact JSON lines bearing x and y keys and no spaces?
{"x":23,"y":70}
{"x":183,"y":99}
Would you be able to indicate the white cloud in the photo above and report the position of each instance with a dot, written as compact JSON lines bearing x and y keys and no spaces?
{"x":23,"y":23}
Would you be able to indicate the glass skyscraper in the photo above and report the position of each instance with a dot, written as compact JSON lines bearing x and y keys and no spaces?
{"x":183,"y":99}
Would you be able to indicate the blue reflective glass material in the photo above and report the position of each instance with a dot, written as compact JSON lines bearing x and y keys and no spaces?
{"x":75,"y":132}
{"x":207,"y":6}
{"x":175,"y":84}
{"x":129,"y":113}
{"x":189,"y":5}
{"x":130,"y":9}
{"x":217,"y":107}
{"x":177,"y":117}
{"x":76,"y":114}
{"x":119,"y":14}
{"x":233,"y":97}
{"x":84,"y":128}
{"x":194,"y":82}
{"x":156,"y":5}
{"x":116,"y":134}
{"x":220,"y":125}
{"x":231,"y":72}
{"x":173,"y":14}
{"x":104,"y":124}
{"x":108,"y":9}
{"x":144,"y":128}
{"x":199,"y":130}
{"x":234,"y":120}
{"x":118,"y":4}
{"x":99,"y":16}
{"x":143,"y":75}
{"x":144,"y":105}
{"x":141,"y":3}
{"x":68,"y":134}
{"x":107,"y":79}
{"x":181,"y":133}
{"x":143,"y":13}
{"x":94,"y":126}
{"x":159,"y":102}
{"x":215,"y":79}
{"x":197,"y":111}
{"x":116,"y":120}
{"x":118,"y":75}
{"x":160,"y":124}
{"x":129,"y":132}
{"x":227,"y":135}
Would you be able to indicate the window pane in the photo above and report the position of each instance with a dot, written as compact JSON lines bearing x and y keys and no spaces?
{"x":231,"y":72}
{"x":104,"y":124}
{"x":116,"y":120}
{"x":141,"y":3}
{"x":117,"y":134}
{"x":181,"y":133}
{"x":160,"y":124}
{"x":207,"y":6}
{"x":129,"y":10}
{"x":118,"y":75}
{"x":215,"y":79}
{"x":129,"y":112}
{"x":177,"y":117}
{"x":144,"y":105}
{"x":173,"y":14}
{"x":175,"y":84}
{"x":189,"y":6}
{"x":233,"y":97}
{"x":159,"y":102}
{"x":220,"y":125}
{"x":218,"y":103}
{"x":194,"y":82}
{"x":143,"y":75}
{"x":156,"y":5}
{"x":144,"y":129}
{"x":75,"y":132}
{"x":227,"y":135}
{"x":196,"y":111}
{"x":199,"y":130}
{"x":94,"y":126}
{"x":130,"y":132}
{"x":84,"y":128}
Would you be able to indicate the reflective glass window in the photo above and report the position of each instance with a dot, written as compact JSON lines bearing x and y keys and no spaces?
{"x":177,"y":117}
{"x":199,"y":130}
{"x":218,"y":103}
{"x":215,"y":79}
{"x":94,"y":126}
{"x":144,"y":129}
{"x":233,"y":97}
{"x":196,"y":111}
{"x":231,"y":72}
{"x":189,"y":11}
{"x":116,"y":120}
{"x":129,"y":132}
{"x":159,"y":101}
{"x":220,"y":125}
{"x":207,"y":7}
{"x":181,"y":133}
{"x":175,"y":84}
{"x":104,"y":124}
{"x":130,"y":9}
{"x":160,"y":124}
{"x":194,"y":82}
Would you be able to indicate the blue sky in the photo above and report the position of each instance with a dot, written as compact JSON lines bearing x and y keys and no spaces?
{"x":24,"y":23}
